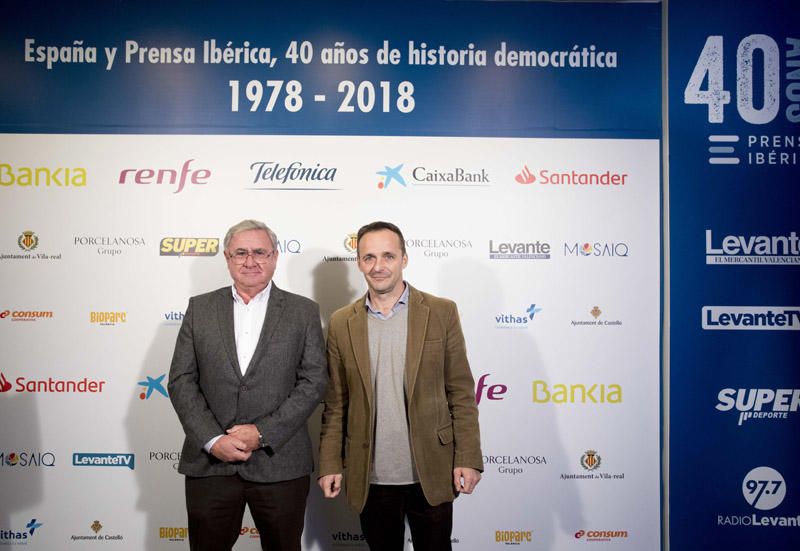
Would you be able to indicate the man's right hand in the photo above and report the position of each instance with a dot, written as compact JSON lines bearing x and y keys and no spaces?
{"x":229,"y":449}
{"x":331,"y":485}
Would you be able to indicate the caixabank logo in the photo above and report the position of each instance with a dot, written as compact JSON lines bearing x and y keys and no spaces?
{"x":764,"y":489}
{"x":750,"y":249}
{"x":759,"y":404}
{"x":19,"y":536}
{"x":569,"y":177}
{"x":425,"y":175}
{"x":189,"y":246}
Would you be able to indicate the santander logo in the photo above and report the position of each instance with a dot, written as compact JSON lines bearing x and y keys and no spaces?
{"x":5,"y":386}
{"x":525,"y":177}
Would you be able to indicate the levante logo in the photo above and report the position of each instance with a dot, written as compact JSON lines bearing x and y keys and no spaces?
{"x":780,"y":250}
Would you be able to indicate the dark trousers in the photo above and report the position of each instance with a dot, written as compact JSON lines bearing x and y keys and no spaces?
{"x":215,"y":506}
{"x":383,"y":519}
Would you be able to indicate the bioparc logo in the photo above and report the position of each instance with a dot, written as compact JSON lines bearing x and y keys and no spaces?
{"x":350,"y":246}
{"x":597,"y":249}
{"x":601,"y":535}
{"x":81,"y":459}
{"x":780,"y":250}
{"x":752,"y":318}
{"x":595,"y":313}
{"x":151,"y":385}
{"x":519,"y":320}
{"x":173,"y":533}
{"x":513,"y":537}
{"x":423,"y":176}
{"x":26,"y":315}
{"x":27,"y":459}
{"x":759,"y":403}
{"x":764,"y":489}
{"x":174,"y":178}
{"x":20,"y":537}
{"x":50,"y":385}
{"x":189,"y":246}
{"x":96,"y":527}
{"x":292,"y":176}
{"x":107,"y":318}
{"x":571,"y":177}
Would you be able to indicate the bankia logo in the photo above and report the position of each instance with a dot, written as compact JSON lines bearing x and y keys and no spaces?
{"x":189,"y":246}
{"x":292,"y":176}
{"x":26,"y":315}
{"x":595,"y":249}
{"x":520,"y":320}
{"x":519,"y":250}
{"x":763,"y":489}
{"x":576,"y":393}
{"x":19,"y":536}
{"x":42,"y":176}
{"x":81,"y":459}
{"x":752,"y":318}
{"x":50,"y":385}
{"x":780,"y":250}
{"x":26,"y":459}
{"x":173,"y":178}
{"x":561,"y":177}
{"x":771,"y":404}
{"x":433,"y":176}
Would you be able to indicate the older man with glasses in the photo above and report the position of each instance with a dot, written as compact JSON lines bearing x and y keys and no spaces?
{"x":248,"y":370}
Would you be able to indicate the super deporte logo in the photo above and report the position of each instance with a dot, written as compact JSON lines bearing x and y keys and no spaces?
{"x":759,"y":403}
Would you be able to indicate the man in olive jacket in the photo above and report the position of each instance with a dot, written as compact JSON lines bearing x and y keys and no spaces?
{"x":400,"y":424}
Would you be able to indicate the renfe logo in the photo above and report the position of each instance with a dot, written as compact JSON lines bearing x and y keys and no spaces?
{"x":103,"y":460}
{"x":165,"y":175}
{"x":493,"y":392}
{"x":764,"y":318}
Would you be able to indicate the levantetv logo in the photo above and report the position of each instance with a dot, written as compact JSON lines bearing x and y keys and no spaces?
{"x":753,"y":249}
{"x":103,"y":460}
{"x":754,"y":318}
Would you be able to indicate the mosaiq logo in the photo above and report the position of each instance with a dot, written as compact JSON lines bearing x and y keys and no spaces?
{"x":780,"y":250}
{"x":759,"y":403}
{"x":173,"y":178}
{"x":292,"y":176}
{"x":597,"y":249}
{"x":27,"y":459}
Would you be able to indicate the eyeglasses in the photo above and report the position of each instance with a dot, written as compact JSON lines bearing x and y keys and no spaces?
{"x":260,"y":256}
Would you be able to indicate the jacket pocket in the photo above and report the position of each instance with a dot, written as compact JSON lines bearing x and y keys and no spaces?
{"x":445,"y":434}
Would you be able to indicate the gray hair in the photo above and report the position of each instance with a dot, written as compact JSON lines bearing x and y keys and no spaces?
{"x":246,"y":225}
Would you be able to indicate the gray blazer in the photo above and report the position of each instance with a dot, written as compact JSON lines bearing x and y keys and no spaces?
{"x":283,"y":384}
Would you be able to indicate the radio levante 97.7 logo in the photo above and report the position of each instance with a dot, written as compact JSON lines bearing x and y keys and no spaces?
{"x":764,"y":489}
{"x":769,"y":56}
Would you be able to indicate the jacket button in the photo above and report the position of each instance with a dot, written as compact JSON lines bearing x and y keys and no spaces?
{"x":243,"y":388}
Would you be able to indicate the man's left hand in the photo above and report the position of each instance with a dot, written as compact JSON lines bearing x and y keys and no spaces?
{"x":465,"y":479}
{"x":247,"y":434}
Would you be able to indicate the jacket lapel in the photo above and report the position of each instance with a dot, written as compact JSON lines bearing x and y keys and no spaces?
{"x":418,"y":313}
{"x":225,"y":321}
{"x":274,"y":311}
{"x":359,"y":340}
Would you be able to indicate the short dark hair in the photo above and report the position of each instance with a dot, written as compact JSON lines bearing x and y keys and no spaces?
{"x":378,"y":226}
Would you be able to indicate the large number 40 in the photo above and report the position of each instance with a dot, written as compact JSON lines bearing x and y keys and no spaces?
{"x":709,"y":63}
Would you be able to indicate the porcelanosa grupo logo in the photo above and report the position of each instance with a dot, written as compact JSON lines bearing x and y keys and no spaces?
{"x":291,"y":176}
{"x":427,"y":176}
{"x":769,"y":404}
{"x":173,"y":178}
{"x":571,"y":178}
{"x":108,"y":245}
{"x":763,"y":489}
{"x":753,"y":318}
{"x":781,"y":250}
{"x":512,"y":465}
{"x":438,"y":248}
